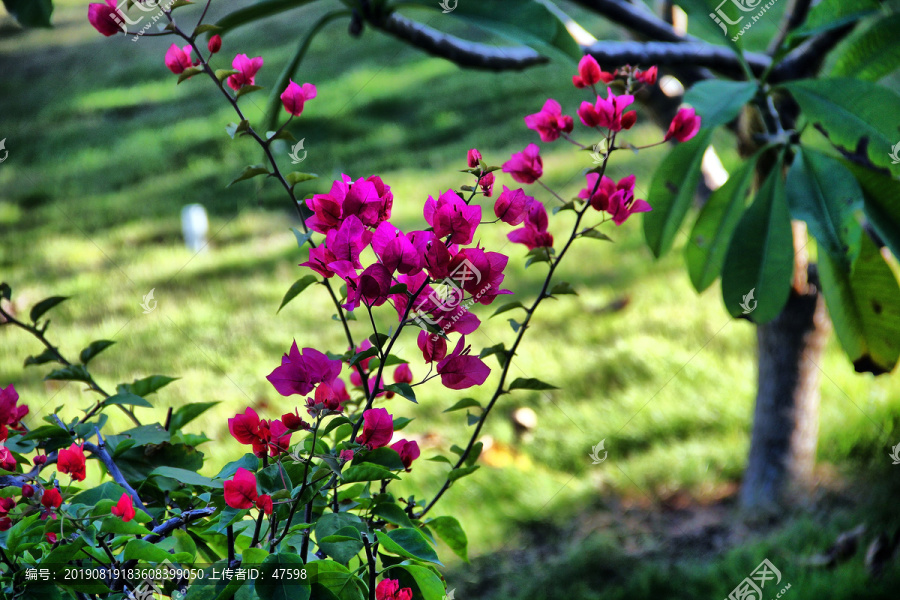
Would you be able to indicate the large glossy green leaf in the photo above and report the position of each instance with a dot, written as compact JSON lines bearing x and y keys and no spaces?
{"x":760,"y":258}
{"x":718,"y":101}
{"x":830,"y":14}
{"x":705,"y":254}
{"x":332,"y":580}
{"x":824,"y":194}
{"x":449,"y":530}
{"x":424,"y":582}
{"x":527,"y":22}
{"x":409,"y":543}
{"x":256,"y":11}
{"x":857,"y":116}
{"x":864,"y":308}
{"x":672,"y":192}
{"x":871,"y":54}
{"x":881,"y":206}
{"x":272,"y":585}
{"x":30,"y":13}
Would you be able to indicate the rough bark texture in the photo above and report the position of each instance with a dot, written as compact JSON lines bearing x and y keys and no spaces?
{"x":786,"y":419}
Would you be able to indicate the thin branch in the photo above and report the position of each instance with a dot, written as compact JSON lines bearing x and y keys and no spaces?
{"x":464,"y":53}
{"x":188,"y":516}
{"x":370,"y":560}
{"x":636,"y":18}
{"x":806,"y":58}
{"x":103,"y":454}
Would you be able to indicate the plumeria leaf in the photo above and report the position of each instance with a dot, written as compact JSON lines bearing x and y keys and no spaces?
{"x":403,"y":389}
{"x":44,"y":305}
{"x":296,"y":177}
{"x":508,"y":306}
{"x":295,"y":289}
{"x":94,"y":349}
{"x":250,"y":172}
{"x":718,"y":102}
{"x":530,"y":383}
{"x":464,"y":403}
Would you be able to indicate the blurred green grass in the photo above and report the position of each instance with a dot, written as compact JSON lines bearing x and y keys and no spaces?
{"x":105,"y":149}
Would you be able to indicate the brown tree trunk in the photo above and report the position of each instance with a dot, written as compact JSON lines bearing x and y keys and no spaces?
{"x":786,"y":419}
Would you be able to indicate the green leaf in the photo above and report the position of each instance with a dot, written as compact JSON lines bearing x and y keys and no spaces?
{"x":145,"y":386}
{"x":715,"y":225}
{"x":864,"y":309}
{"x":424,"y":582}
{"x":206,"y":28}
{"x":248,"y":461}
{"x":235,"y":128}
{"x":514,"y":324}
{"x":46,"y":356}
{"x":672,"y":192}
{"x":383,"y":457}
{"x":127,"y":399}
{"x":390,"y":361}
{"x":595,"y":234}
{"x":461,"y":472}
{"x":298,"y":177}
{"x":145,"y":551}
{"x":186,"y":477}
{"x":333,"y":581}
{"x":563,"y":287}
{"x":70,"y":373}
{"x":718,"y":101}
{"x":302,"y":238}
{"x":499,"y":350}
{"x":188,"y":413}
{"x":409,"y":543}
{"x":94,"y":349}
{"x":118,"y":526}
{"x":881,"y":206}
{"x":44,"y":305}
{"x":465,"y":403}
{"x":392,"y":513}
{"x":247,"y":89}
{"x":360,"y":356}
{"x":871,"y":54}
{"x":830,"y":14}
{"x":366,"y":472}
{"x":856,"y":115}
{"x":824,"y":194}
{"x":522,"y":383}
{"x":105,"y":491}
{"x":508,"y":306}
{"x":256,"y":11}
{"x":403,"y":389}
{"x":449,"y":530}
{"x":298,"y":286}
{"x":249,"y":173}
{"x":272,"y":586}
{"x":188,"y":73}
{"x":30,"y":13}
{"x":760,"y":258}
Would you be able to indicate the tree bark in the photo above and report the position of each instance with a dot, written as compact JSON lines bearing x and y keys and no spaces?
{"x":786,"y":418}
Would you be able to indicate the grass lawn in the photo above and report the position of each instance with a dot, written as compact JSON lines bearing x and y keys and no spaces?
{"x":105,"y":149}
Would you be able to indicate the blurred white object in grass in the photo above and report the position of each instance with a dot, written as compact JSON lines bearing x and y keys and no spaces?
{"x":194,"y":226}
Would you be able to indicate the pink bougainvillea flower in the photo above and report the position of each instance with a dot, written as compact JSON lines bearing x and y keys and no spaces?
{"x":487,"y":184}
{"x":27,"y":490}
{"x":408,"y":451}
{"x":51,"y":537}
{"x":40,"y":460}
{"x":274,"y":438}
{"x":395,"y":250}
{"x":50,"y":500}
{"x":364,"y":202}
{"x":178,"y":59}
{"x":534,"y":234}
{"x":511,"y":204}
{"x":106,"y":18}
{"x":473,"y":157}
{"x":434,"y":255}
{"x":300,"y":373}
{"x":648,"y":77}
{"x":590,"y":73}
{"x":5,"y":523}
{"x":293,"y":420}
{"x":371,"y":288}
{"x":10,"y":413}
{"x":684,"y":126}
{"x":608,"y":112}
{"x":245,"y":427}
{"x":432,"y":349}
{"x":403,"y":374}
{"x":622,"y":204}
{"x":550,"y":123}
{"x":6,"y":505}
{"x":247,"y":69}
{"x":346,"y":455}
{"x":214,"y":44}
{"x":124,"y":508}
{"x":449,"y":215}
{"x":460,"y":370}
{"x":378,"y":427}
{"x":327,"y":208}
{"x":240,"y":490}
{"x":71,"y":461}
{"x":526,"y":166}
{"x":295,"y":96}
{"x":319,"y":259}
{"x":347,"y":242}
{"x":264,"y":503}
{"x":385,"y":199}
{"x":389,"y":589}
